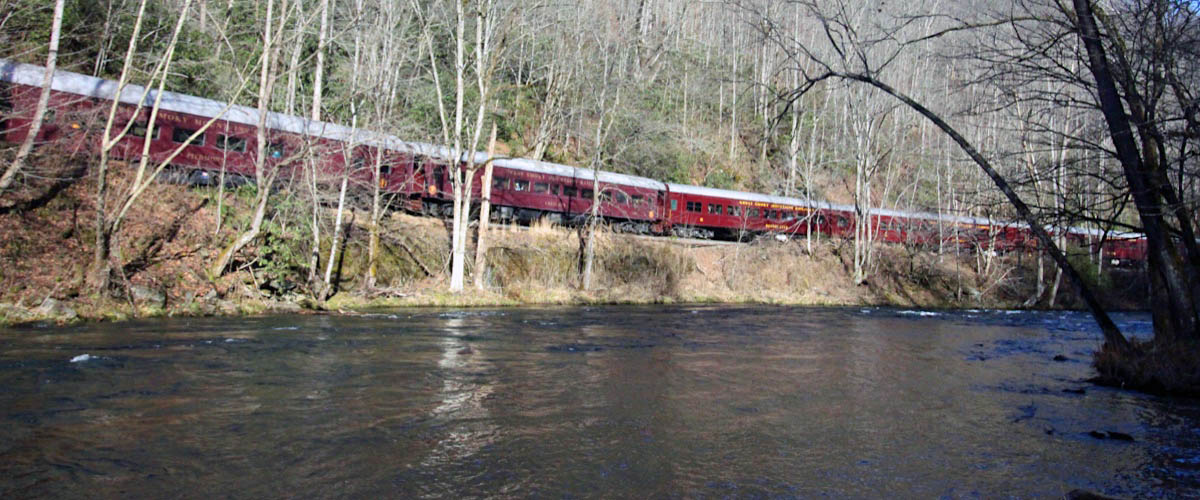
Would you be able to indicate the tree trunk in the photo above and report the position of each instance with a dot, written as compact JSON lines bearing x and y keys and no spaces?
{"x":589,"y":247}
{"x":263,"y":178}
{"x":457,"y":268}
{"x":1175,"y":311}
{"x":319,"y":73}
{"x":337,"y":233}
{"x":99,"y":276}
{"x":376,"y":215}
{"x":485,"y":208}
{"x":43,"y":101}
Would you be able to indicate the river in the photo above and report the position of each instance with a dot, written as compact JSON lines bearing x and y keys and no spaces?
{"x":675,"y":401}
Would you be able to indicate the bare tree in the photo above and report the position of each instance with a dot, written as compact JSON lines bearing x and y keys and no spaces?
{"x":603,"y":108}
{"x":1174,"y":263}
{"x":862,"y":52}
{"x":108,"y":222}
{"x":488,"y":18}
{"x":39,"y":112}
{"x":264,"y":175}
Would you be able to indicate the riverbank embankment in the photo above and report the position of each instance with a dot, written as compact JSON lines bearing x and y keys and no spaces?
{"x":173,"y":233}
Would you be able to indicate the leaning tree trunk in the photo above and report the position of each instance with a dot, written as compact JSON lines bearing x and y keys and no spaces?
{"x":263,"y":178}
{"x":1112,"y":335}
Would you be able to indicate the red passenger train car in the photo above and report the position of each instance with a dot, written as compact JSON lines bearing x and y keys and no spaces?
{"x":419,"y":174}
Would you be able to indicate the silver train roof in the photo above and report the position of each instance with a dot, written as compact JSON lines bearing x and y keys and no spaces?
{"x":576,"y":172}
{"x":88,"y":86}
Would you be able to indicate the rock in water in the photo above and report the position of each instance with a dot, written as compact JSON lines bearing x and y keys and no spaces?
{"x":1085,"y":495}
{"x":1119,"y":436}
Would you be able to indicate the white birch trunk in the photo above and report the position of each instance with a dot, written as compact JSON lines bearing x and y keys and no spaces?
{"x":39,"y":113}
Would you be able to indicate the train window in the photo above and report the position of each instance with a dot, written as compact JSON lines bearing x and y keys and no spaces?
{"x":5,"y":99}
{"x":638,"y":200}
{"x":820,"y":220}
{"x":733,"y":210}
{"x":674,"y":205}
{"x":181,"y":136}
{"x":385,"y":169}
{"x":420,"y":161}
{"x":620,"y":197}
{"x":520,"y":185}
{"x":540,"y":187}
{"x":500,"y":183}
{"x":606,"y":196}
{"x":230,"y":143}
{"x":276,"y":150}
{"x":752,"y":213}
{"x":693,"y":206}
{"x":586,"y":194}
{"x":570,"y":191}
{"x":50,"y":115}
{"x":842,"y":222}
{"x":555,"y":189}
{"x":138,"y":129}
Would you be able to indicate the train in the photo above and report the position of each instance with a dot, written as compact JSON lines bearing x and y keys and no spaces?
{"x":417,"y":175}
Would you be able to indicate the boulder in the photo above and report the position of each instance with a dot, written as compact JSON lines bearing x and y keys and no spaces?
{"x":14,"y":314}
{"x":147,"y":295}
{"x":287,"y":307}
{"x":57,"y":309}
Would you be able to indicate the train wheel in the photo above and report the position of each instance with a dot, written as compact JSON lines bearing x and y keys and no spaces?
{"x":200,"y":178}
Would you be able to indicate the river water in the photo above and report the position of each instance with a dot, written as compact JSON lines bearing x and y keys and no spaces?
{"x":742,"y":402}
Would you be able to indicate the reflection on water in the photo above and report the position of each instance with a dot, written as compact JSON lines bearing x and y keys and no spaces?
{"x":584,"y":402}
{"x":461,"y":409}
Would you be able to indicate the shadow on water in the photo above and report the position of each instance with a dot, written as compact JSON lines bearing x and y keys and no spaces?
{"x":585,"y":402}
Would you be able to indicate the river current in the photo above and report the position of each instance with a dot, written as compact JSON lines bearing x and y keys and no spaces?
{"x":678,"y":401}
